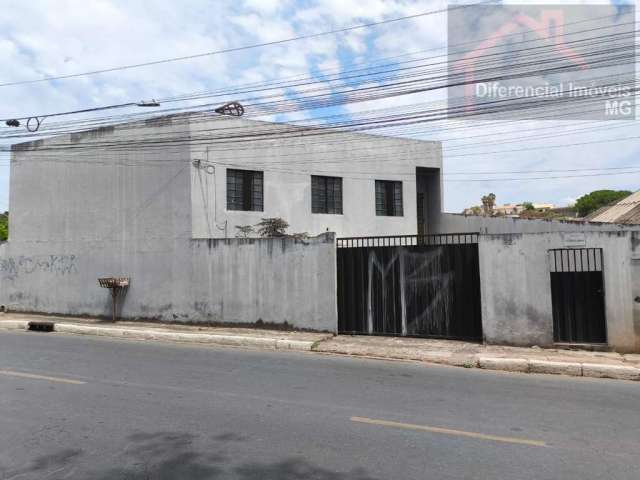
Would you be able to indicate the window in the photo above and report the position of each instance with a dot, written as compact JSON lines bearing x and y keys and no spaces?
{"x":389,"y":198}
{"x":326,"y":194}
{"x":244,"y":190}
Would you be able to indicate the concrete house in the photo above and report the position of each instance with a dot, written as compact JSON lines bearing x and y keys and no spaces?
{"x":152,"y":200}
{"x":158,"y":201}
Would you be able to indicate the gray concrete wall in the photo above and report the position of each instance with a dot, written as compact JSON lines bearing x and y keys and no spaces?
{"x":288,"y":161}
{"x":111,"y":202}
{"x":102,"y":186}
{"x":82,"y":209}
{"x":516,"y":287}
{"x":635,"y":285}
{"x":458,"y":223}
{"x":184,"y":280}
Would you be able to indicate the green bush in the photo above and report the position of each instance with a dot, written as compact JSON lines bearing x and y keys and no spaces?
{"x":4,"y":227}
{"x":272,"y":227}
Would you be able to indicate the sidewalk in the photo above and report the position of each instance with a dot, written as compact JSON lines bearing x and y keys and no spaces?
{"x":473,"y":355}
{"x":445,"y":352}
{"x":229,"y":336}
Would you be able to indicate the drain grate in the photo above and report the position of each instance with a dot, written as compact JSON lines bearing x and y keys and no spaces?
{"x":41,"y":326}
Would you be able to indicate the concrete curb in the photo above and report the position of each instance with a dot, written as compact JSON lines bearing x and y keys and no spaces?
{"x":183,"y":337}
{"x":14,"y":324}
{"x":574,"y":369}
{"x":506,"y":364}
{"x":619,"y":372}
{"x":555,"y":368}
{"x":487,"y":362}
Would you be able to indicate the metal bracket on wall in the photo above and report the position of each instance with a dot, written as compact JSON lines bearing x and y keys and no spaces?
{"x":117,"y":285}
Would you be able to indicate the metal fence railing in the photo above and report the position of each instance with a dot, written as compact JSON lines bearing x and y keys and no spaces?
{"x":575,"y":260}
{"x":407,"y":240}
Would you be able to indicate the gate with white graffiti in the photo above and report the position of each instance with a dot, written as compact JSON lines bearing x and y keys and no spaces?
{"x":410,"y":285}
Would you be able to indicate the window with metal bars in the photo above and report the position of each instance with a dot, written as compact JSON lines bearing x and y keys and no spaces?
{"x":244,"y":190}
{"x":326,"y":194}
{"x":389,"y":198}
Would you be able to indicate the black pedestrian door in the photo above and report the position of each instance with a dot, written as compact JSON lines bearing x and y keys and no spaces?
{"x":577,"y":294}
{"x":413,"y":285}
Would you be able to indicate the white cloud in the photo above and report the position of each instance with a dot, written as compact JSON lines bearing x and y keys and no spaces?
{"x":268,"y":7}
{"x":41,"y":38}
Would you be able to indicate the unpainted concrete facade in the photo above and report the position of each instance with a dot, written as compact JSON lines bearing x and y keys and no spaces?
{"x":272,"y":281}
{"x":92,"y":211}
{"x":149,"y":212}
{"x":290,"y":159}
{"x":515,"y":286}
{"x":515,"y":276}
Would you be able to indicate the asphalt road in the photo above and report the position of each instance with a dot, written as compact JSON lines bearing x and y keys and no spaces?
{"x":91,"y":408}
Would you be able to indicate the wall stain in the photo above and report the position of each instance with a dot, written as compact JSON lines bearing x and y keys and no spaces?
{"x":635,"y":241}
{"x":91,"y":134}
{"x":26,"y":146}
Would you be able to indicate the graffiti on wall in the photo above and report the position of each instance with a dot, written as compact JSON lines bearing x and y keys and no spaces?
{"x":14,"y":267}
{"x":411,"y":287}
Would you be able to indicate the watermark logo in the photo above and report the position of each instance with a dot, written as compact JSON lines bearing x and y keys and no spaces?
{"x":549,"y":62}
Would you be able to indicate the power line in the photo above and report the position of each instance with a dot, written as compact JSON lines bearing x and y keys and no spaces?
{"x":257,"y":132}
{"x":200,"y":117}
{"x":381,"y":174}
{"x":265,"y":86}
{"x":446,"y":113}
{"x":287,"y":131}
{"x":515,"y":179}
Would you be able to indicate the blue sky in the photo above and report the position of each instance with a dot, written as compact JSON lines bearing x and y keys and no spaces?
{"x":42,"y":38}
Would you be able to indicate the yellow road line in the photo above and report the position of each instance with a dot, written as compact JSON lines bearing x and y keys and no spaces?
{"x":448,"y":431}
{"x":40,"y":377}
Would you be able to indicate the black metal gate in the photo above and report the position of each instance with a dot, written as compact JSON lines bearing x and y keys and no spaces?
{"x":410,"y":285}
{"x":577,"y":294}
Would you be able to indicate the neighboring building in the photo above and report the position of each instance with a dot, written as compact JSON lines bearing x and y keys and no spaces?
{"x":568,"y":212}
{"x":625,"y":211}
{"x":560,"y":213}
{"x":509,"y":209}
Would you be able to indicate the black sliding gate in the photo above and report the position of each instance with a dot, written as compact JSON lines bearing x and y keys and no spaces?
{"x":577,"y":295}
{"x":410,"y":285}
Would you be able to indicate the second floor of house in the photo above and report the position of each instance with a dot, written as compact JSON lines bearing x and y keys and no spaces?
{"x":228,"y":201}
